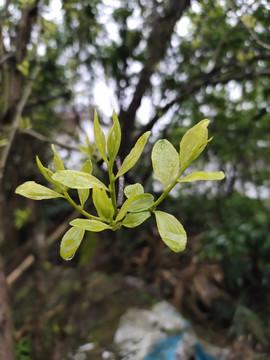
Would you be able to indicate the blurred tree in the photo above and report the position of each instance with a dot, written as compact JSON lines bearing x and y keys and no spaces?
{"x":167,"y":64}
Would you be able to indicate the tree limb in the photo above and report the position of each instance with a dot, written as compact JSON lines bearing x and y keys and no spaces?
{"x":43,"y":138}
{"x":157,"y":44}
{"x":190,"y":89}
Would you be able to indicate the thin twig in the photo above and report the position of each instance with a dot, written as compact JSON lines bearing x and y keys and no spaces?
{"x":43,"y":138}
{"x":255,"y":36}
{"x":121,"y":183}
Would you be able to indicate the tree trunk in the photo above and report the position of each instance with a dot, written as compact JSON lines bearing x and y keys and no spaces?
{"x":6,"y":328}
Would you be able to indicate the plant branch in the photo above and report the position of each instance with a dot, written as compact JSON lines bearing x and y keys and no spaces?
{"x":213,"y":78}
{"x":121,"y":183}
{"x":77,"y":207}
{"x":112,"y":187}
{"x":157,"y":43}
{"x":43,"y":138}
{"x":167,"y":190}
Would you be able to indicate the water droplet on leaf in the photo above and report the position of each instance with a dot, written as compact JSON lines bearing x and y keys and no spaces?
{"x":70,"y":258}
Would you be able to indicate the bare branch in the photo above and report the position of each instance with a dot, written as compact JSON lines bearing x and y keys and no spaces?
{"x":157,"y":43}
{"x":43,"y":138}
{"x":121,"y":183}
{"x":209,"y":79}
{"x":255,"y":36}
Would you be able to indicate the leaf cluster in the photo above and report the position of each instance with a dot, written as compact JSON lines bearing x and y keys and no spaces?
{"x":168,"y":166}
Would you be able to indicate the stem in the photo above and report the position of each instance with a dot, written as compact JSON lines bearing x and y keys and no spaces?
{"x":121,"y":183}
{"x":112,"y":188}
{"x":167,"y":190}
{"x":77,"y":207}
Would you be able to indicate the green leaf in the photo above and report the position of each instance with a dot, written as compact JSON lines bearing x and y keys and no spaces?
{"x":47,"y":173}
{"x":128,"y":189}
{"x":114,"y":139}
{"x":32,"y":190}
{"x":193,"y":143}
{"x":125,"y":207}
{"x":57,"y":162}
{"x":135,"y":219}
{"x":134,"y":154}
{"x":100,"y":138}
{"x":70,"y":242}
{"x":83,"y":196}
{"x":90,"y":225}
{"x":103,"y":204}
{"x":77,"y":179}
{"x":87,"y":167}
{"x":203,"y":175}
{"x":84,"y":193}
{"x":165,"y":160}
{"x":141,"y":202}
{"x":171,"y":231}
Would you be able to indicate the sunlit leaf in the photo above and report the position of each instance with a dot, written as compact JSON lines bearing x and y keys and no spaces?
{"x":128,"y":189}
{"x":77,"y":179}
{"x":100,"y":138}
{"x":135,"y":219}
{"x":114,"y":139}
{"x":90,"y":225}
{"x":87,"y":167}
{"x":203,"y":175}
{"x":134,"y":154}
{"x":44,"y":171}
{"x":48,"y":174}
{"x":141,"y":202}
{"x":193,"y":143}
{"x":171,"y":231}
{"x":32,"y":190}
{"x":103,"y":204}
{"x":165,"y":160}
{"x":70,"y":242}
{"x":125,"y":207}
{"x":57,"y":162}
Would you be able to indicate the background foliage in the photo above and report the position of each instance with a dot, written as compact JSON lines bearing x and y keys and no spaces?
{"x":164,"y":66}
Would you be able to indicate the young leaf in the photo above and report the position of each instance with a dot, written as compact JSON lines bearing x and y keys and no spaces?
{"x":134,"y":154}
{"x":135,"y":219}
{"x":32,"y":190}
{"x":128,"y":189}
{"x":90,"y":225}
{"x":114,"y":139}
{"x":193,"y":143}
{"x":84,"y":193}
{"x":165,"y":161}
{"x":141,"y":202}
{"x":57,"y":162}
{"x":87,"y":167}
{"x":100,"y":138}
{"x":48,"y":174}
{"x":70,"y":242}
{"x":203,"y":175}
{"x":103,"y":204}
{"x":125,"y":207}
{"x":171,"y":231}
{"x":44,"y":171}
{"x":77,"y":179}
